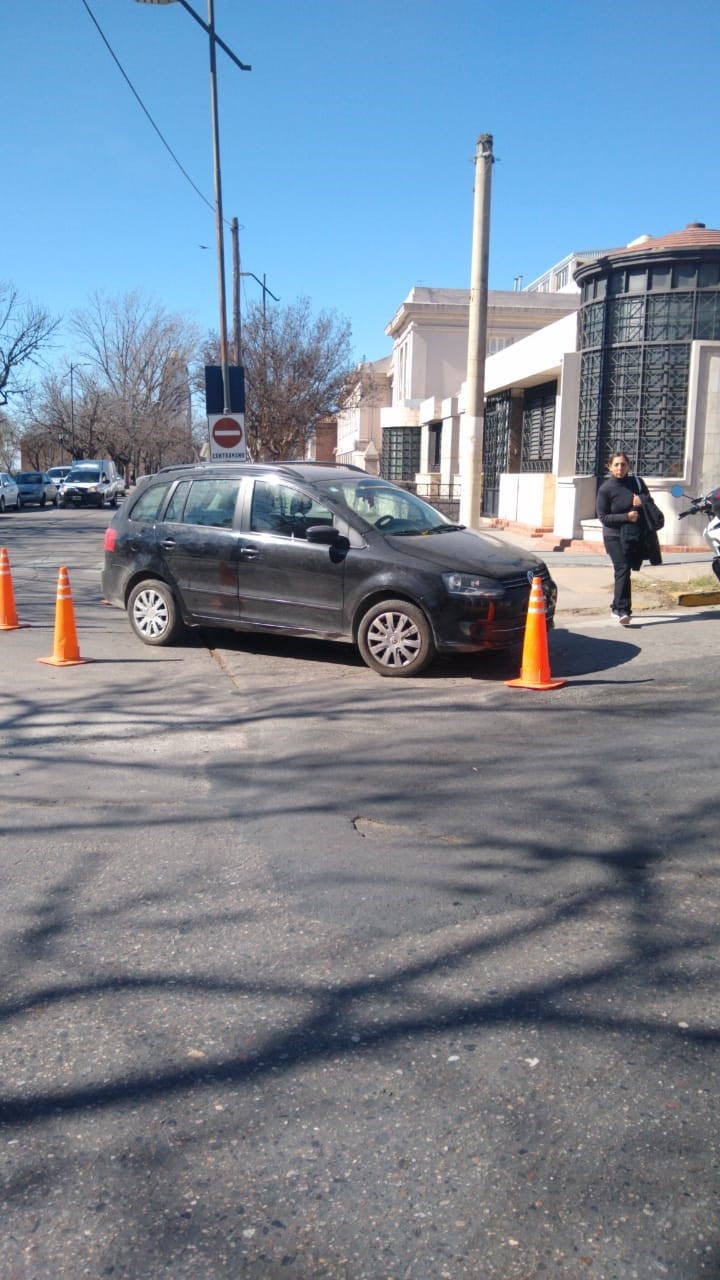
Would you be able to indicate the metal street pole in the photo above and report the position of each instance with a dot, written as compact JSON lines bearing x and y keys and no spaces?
{"x":237,"y":332}
{"x":82,"y":364}
{"x":72,"y":413}
{"x":209,"y":27}
{"x":219,"y":234}
{"x":471,"y":453}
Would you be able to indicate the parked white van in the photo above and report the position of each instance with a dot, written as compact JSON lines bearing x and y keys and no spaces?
{"x":91,"y":482}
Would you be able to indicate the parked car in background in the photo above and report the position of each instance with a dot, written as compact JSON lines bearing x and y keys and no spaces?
{"x":314,"y":550}
{"x":58,"y":474}
{"x":9,"y":492}
{"x":91,"y":482}
{"x":36,"y":487}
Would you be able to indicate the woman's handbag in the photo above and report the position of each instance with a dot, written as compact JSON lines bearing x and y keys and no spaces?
{"x":654,"y":517}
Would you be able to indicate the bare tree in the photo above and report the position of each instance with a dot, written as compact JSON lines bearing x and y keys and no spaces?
{"x":24,"y":330}
{"x":296,"y":366}
{"x":135,"y":401}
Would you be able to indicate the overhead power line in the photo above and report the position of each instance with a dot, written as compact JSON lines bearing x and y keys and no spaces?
{"x":137,"y":97}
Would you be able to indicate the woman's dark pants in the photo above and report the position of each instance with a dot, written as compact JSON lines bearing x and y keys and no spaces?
{"x":622,"y":602}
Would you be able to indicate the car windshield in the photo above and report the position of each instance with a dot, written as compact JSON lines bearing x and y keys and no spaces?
{"x":29,"y":477}
{"x":87,"y":474}
{"x":385,"y":506}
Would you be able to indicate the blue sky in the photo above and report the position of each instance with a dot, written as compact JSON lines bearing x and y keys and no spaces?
{"x":347,"y":151}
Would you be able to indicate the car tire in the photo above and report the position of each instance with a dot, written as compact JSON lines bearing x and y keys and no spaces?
{"x":2,"y":505}
{"x":113,"y":500}
{"x":395,"y":639}
{"x":153,"y":612}
{"x":43,"y":500}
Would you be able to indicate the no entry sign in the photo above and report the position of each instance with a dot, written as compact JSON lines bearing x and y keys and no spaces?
{"x":227,"y":437}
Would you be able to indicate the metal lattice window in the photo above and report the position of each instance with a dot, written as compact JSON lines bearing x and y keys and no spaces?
{"x":589,"y":413}
{"x":670,"y":317}
{"x":592,"y":325}
{"x":621,"y":403}
{"x":538,"y":427}
{"x":635,"y":362}
{"x":496,"y":445}
{"x":626,"y":318}
{"x":707,"y":316}
{"x":401,"y":453}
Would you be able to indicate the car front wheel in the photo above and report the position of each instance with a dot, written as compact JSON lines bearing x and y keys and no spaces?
{"x":2,"y":505}
{"x":153,"y":613}
{"x":395,"y":639}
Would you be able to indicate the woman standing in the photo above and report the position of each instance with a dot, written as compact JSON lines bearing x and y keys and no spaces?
{"x":619,"y":500}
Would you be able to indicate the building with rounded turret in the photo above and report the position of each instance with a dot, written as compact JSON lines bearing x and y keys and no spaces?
{"x":631,"y":363}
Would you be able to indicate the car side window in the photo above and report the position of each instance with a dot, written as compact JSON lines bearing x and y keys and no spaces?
{"x":211,"y":502}
{"x":148,"y":506}
{"x":285,"y":510}
{"x":176,"y":504}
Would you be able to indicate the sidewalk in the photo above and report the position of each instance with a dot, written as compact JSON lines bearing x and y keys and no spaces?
{"x":585,"y":578}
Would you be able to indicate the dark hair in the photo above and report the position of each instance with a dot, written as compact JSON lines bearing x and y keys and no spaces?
{"x":619,"y":453}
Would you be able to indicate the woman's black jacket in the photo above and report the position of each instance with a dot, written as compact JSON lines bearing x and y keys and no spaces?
{"x":614,"y":501}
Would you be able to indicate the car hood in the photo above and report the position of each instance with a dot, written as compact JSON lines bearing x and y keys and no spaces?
{"x":466,"y":552}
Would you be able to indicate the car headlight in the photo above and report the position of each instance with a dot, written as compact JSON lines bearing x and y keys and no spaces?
{"x":470,"y":584}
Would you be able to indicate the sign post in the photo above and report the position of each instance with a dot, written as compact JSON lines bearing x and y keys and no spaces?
{"x":227,"y":437}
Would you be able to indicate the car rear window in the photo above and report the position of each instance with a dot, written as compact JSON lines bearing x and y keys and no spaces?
{"x":205,"y":502}
{"x":148,"y":505}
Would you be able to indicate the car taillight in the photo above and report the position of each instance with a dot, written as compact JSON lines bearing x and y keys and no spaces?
{"x":110,"y":539}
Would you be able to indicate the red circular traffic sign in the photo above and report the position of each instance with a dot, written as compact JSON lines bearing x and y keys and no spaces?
{"x":227,"y":433}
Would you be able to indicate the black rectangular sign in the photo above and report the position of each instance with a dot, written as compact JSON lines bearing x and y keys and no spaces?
{"x":214,"y":389}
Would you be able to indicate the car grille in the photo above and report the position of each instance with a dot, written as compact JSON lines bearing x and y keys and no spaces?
{"x":521,"y":580}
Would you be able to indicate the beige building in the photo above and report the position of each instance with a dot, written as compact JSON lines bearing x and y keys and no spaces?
{"x":616,"y":348}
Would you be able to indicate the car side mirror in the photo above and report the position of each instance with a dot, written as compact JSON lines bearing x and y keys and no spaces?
{"x":322,"y":533}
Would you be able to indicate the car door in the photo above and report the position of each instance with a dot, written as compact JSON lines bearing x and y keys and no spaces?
{"x":199,"y":546}
{"x":286,"y":582}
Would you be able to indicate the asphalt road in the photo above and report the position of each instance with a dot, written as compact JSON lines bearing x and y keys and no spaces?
{"x":306,"y":973}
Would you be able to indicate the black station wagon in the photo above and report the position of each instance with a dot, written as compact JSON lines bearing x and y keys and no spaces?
{"x":315,"y":550}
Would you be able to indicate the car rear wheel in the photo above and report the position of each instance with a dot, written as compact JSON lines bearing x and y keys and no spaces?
{"x":395,"y":639}
{"x":43,"y":500}
{"x":153,"y":613}
{"x":2,"y":505}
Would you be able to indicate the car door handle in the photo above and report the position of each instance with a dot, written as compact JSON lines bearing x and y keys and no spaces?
{"x":249,"y":553}
{"x":167,"y":544}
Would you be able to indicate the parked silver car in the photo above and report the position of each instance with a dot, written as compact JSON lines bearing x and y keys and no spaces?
{"x":9,"y":492}
{"x":58,"y":474}
{"x":37,"y":487}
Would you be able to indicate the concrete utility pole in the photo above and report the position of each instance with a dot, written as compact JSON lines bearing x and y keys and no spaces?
{"x":471,"y":444}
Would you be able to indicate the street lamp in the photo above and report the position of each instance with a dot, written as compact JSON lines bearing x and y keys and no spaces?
{"x":209,"y":27}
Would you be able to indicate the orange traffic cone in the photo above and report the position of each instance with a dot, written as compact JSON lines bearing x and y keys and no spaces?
{"x":8,"y":612}
{"x":535,"y":669}
{"x":65,"y":650}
